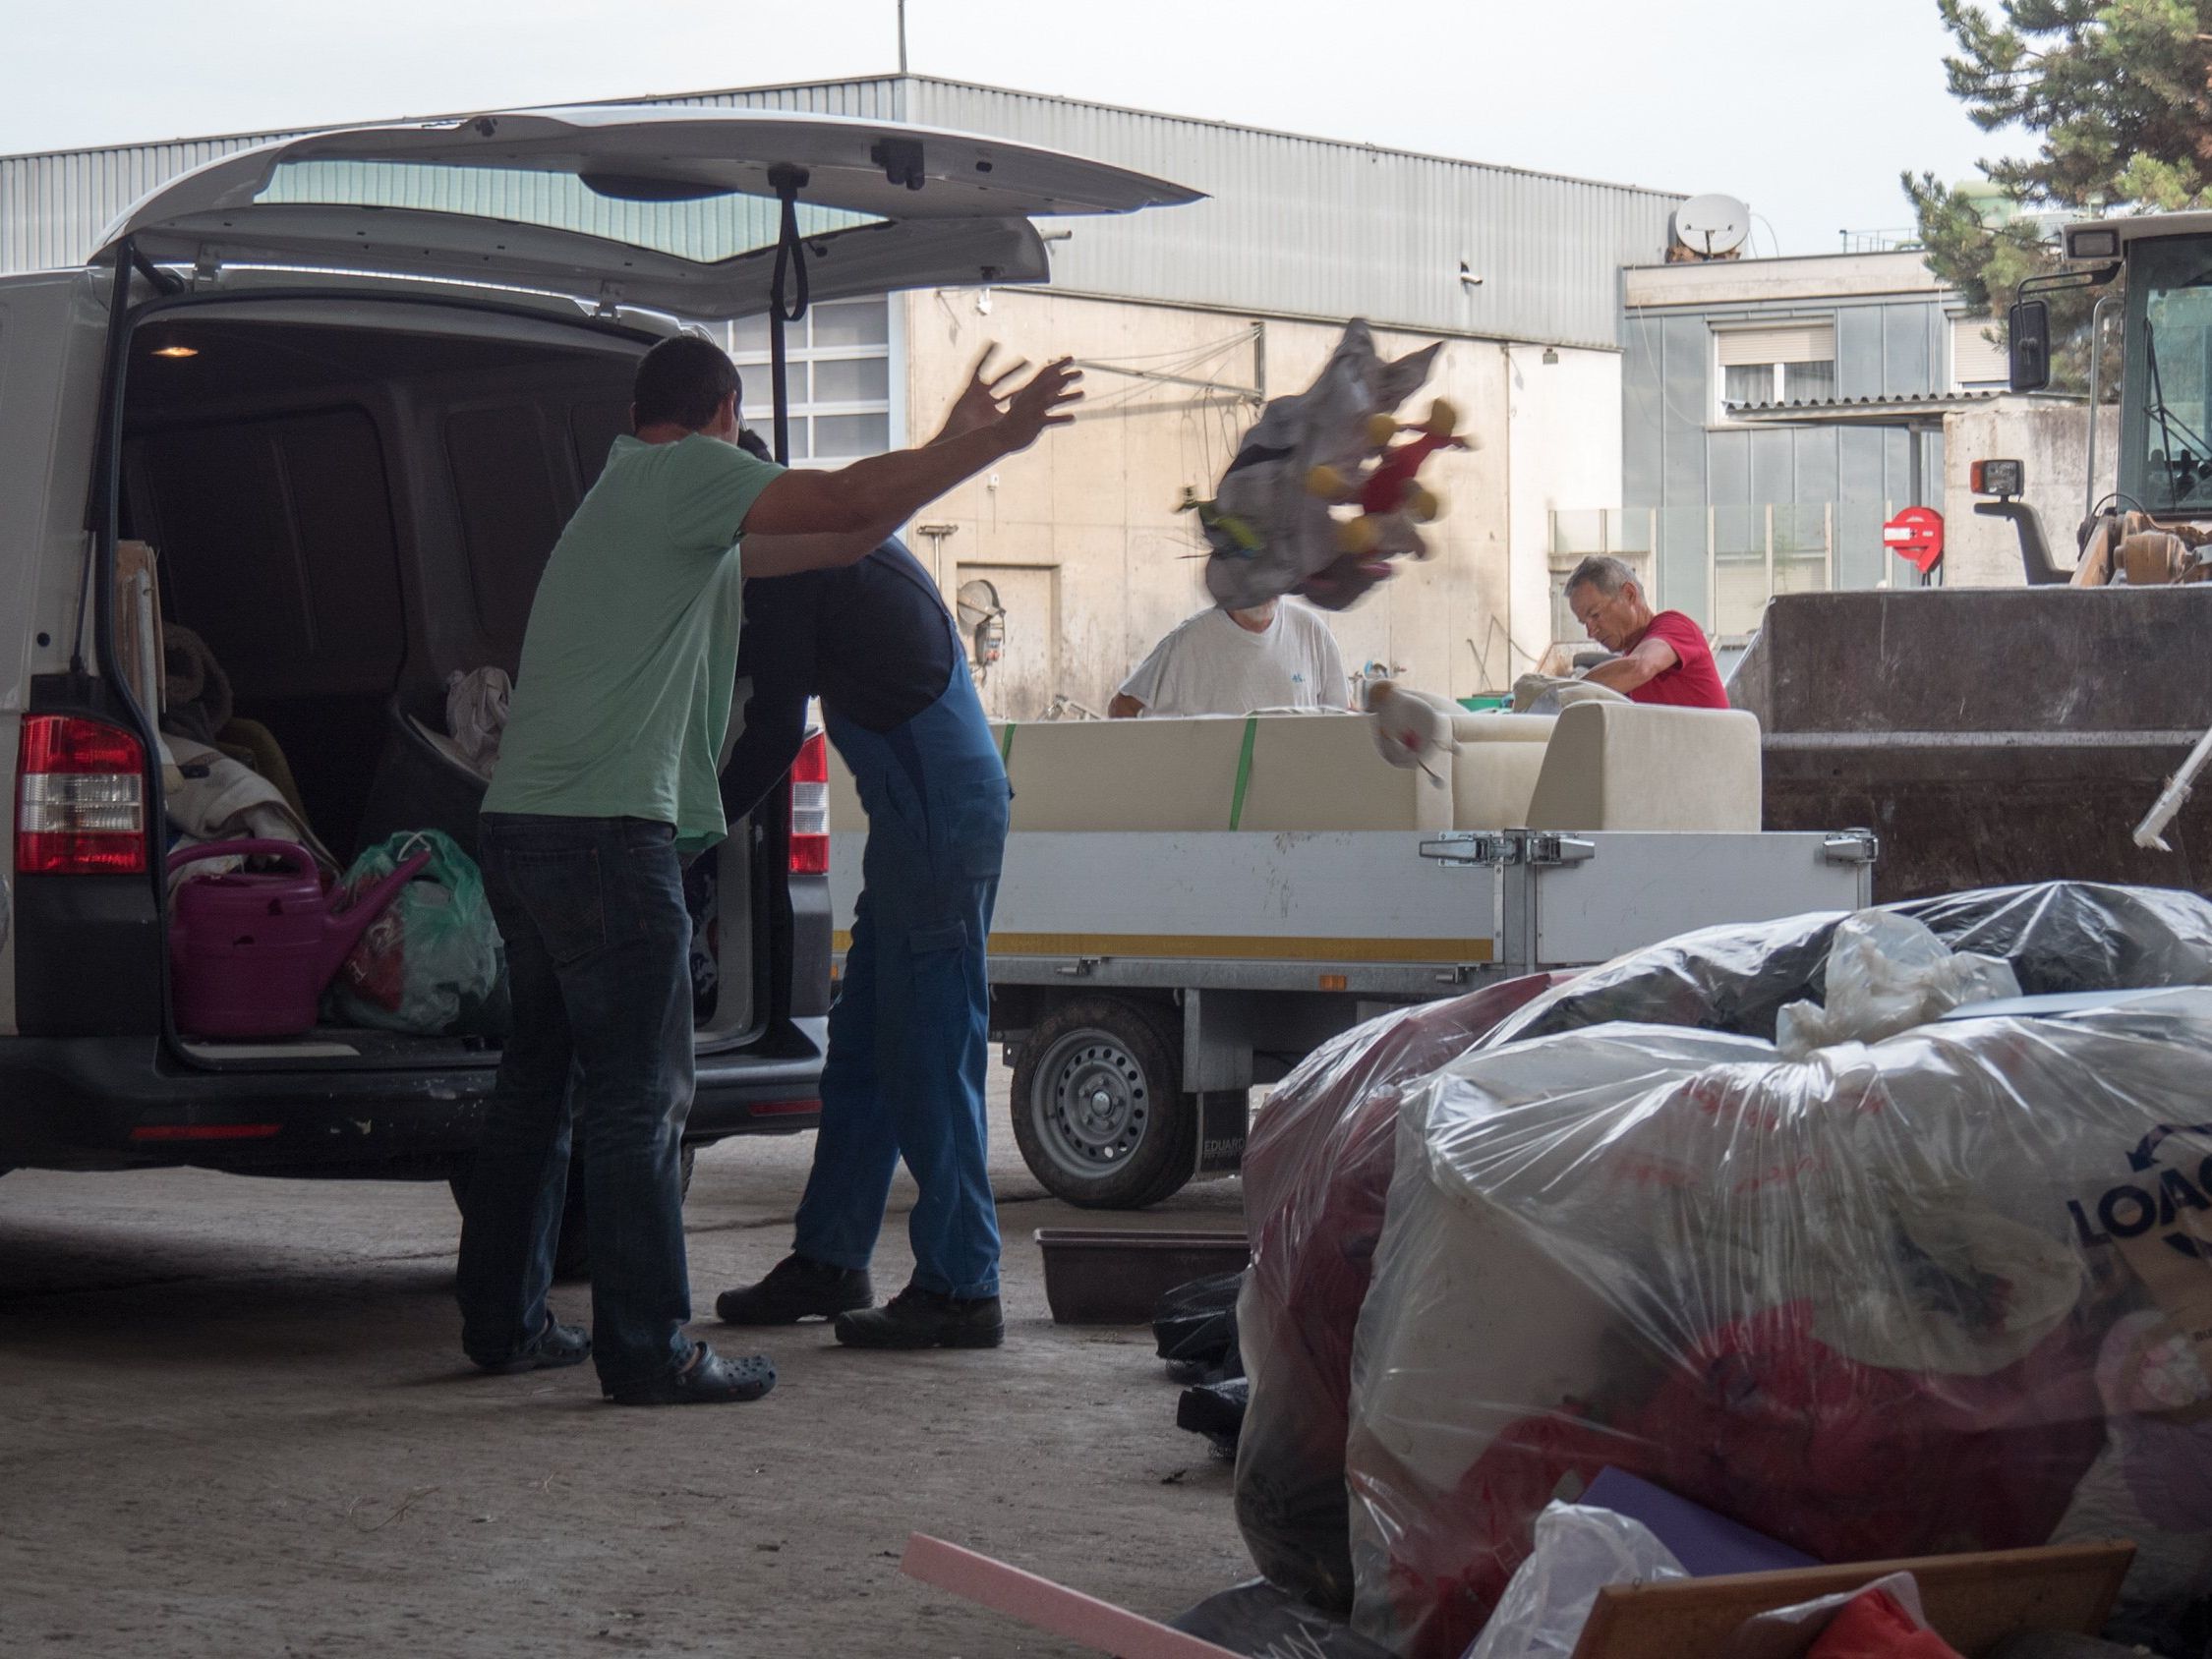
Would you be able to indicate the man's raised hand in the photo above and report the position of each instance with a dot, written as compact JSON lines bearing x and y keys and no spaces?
{"x":980,"y":400}
{"x":1042,"y":403}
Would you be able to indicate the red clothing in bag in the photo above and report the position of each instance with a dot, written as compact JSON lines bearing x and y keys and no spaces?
{"x":1876,"y":1627}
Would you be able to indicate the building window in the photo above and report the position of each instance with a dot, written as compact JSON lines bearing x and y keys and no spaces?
{"x":1978,"y":363}
{"x":1789,"y":363}
{"x":839,"y":379}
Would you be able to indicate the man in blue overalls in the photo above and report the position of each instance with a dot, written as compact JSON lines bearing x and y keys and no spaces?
{"x":909,"y":1047}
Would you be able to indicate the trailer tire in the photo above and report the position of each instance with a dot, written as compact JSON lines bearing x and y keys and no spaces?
{"x":1133,"y":1138}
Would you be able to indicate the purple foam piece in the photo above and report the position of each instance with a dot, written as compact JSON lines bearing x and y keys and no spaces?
{"x":1705,"y":1543}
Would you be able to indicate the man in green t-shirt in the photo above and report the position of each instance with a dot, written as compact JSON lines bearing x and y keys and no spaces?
{"x":605,"y":786}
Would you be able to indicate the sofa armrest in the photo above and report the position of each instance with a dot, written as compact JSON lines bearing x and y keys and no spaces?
{"x":1613,"y":765}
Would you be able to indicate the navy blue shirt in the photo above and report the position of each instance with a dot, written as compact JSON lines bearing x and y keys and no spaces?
{"x":873,"y":639}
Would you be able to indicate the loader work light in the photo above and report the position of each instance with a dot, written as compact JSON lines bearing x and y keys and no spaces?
{"x":1997,"y":478}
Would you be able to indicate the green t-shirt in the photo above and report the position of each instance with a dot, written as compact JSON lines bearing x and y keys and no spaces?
{"x":623,"y":697}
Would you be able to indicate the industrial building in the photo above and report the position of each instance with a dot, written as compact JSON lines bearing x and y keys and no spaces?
{"x":1776,"y":411}
{"x":1185,"y":321}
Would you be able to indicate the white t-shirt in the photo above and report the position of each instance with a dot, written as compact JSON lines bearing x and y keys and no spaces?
{"x":1210,"y":665}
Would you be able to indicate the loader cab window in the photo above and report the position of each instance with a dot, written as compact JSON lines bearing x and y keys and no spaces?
{"x":2166,"y":431}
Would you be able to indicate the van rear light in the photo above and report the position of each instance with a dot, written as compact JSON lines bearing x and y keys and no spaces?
{"x":80,"y":799}
{"x":811,"y":807}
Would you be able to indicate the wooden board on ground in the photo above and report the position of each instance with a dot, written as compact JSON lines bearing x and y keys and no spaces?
{"x":1047,"y":1606}
{"x":1972,"y":1601}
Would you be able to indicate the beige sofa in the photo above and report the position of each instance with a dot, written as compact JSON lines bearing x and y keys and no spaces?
{"x":1595,"y":766}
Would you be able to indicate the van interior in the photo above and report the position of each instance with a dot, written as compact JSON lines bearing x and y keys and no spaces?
{"x":350,"y":502}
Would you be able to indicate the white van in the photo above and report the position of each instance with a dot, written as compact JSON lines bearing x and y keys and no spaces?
{"x":348,"y":388}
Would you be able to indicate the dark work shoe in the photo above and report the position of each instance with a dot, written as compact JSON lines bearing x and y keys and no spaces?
{"x":922,"y":1319}
{"x":796,"y":1289}
{"x":557,"y":1345}
{"x":707,"y":1380}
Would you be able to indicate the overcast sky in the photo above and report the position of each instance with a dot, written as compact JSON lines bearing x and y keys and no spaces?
{"x":1808,"y":109}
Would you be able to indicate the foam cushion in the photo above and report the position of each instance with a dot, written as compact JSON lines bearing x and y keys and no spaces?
{"x":1324,"y":772}
{"x":1613,"y":765}
{"x":1309,"y":772}
{"x":1495,"y":774}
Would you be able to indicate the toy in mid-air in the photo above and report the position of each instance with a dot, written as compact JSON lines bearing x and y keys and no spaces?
{"x":1273,"y":529}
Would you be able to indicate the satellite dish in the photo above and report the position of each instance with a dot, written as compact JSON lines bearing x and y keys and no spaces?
{"x":1712,"y":227}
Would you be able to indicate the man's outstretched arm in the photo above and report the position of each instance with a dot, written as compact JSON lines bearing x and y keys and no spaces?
{"x":870,"y":497}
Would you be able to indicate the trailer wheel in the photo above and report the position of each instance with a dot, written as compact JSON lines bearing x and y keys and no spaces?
{"x":1098,"y":1106}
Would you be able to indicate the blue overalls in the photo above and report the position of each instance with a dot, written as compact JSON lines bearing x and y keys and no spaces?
{"x":908,"y":1034}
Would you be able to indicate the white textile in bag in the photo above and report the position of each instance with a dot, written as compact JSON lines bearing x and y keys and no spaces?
{"x":1579,"y":1551}
{"x":1887,"y":974}
{"x":476,"y":713}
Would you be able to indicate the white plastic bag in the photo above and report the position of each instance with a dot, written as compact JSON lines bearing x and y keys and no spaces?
{"x":476,"y":713}
{"x":1889,"y":973}
{"x":1579,"y":1551}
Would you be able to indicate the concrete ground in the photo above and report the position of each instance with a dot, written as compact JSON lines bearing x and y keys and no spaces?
{"x":234,"y":1420}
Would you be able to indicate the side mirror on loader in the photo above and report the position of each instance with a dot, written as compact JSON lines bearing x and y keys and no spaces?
{"x":2027,"y":329}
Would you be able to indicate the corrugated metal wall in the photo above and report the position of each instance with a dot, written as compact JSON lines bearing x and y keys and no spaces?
{"x":53,"y":207}
{"x":1302,"y":227}
{"x":1313,"y":228}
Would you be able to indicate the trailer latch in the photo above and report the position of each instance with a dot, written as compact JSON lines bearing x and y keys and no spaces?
{"x":1470,"y":847}
{"x":1498,"y":849}
{"x":1851,"y":846}
{"x":1547,"y":848}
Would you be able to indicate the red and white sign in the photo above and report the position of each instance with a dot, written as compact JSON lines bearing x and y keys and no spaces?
{"x":1916,"y":534}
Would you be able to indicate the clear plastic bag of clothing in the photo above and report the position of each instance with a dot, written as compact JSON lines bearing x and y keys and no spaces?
{"x":1315,"y":1170}
{"x":432,"y":964}
{"x":1864,"y":1303}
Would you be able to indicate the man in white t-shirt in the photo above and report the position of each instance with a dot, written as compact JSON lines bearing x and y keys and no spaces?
{"x":1276,"y":655}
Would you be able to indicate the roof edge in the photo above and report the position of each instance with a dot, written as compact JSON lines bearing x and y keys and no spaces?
{"x":273,"y":134}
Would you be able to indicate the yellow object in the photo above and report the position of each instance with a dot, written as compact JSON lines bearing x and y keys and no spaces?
{"x":1358,"y":535}
{"x":1423,"y":503}
{"x":1443,"y":419}
{"x":1328,"y":484}
{"x":1381,"y":429}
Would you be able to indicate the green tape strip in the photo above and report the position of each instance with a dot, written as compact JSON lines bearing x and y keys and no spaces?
{"x":1244,"y":772}
{"x":1006,"y":743}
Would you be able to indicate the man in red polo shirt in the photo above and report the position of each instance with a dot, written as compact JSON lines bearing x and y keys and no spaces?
{"x":1661,"y":659}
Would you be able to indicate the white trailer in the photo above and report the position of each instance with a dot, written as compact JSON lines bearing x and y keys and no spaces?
{"x":1144,"y":981}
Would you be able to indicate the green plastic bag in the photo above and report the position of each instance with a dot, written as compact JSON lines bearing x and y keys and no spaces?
{"x":432,"y":963}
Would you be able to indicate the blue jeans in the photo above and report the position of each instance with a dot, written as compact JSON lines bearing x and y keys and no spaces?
{"x":908,"y":1035}
{"x":597,"y":940}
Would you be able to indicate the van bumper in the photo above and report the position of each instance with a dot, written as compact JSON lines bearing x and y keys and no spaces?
{"x":117,"y":1103}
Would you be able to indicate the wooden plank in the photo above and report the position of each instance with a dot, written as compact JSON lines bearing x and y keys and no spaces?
{"x":1047,"y":1606}
{"x":1972,"y":1601}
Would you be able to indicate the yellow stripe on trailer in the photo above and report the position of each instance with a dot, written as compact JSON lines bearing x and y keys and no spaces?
{"x":1240,"y":947}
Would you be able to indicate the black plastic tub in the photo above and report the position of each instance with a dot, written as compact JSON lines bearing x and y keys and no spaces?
{"x":1099,"y":1276}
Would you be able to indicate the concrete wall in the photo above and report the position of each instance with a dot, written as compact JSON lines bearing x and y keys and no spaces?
{"x":1094,"y":564}
{"x":1563,"y":435}
{"x":2051,"y":441}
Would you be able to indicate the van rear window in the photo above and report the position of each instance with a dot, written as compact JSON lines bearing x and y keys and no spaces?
{"x":709,"y":230}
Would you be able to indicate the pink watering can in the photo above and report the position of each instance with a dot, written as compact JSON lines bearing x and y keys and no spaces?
{"x":249,"y":954}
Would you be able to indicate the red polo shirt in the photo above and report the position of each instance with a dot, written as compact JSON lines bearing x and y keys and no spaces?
{"x":1694,"y":682}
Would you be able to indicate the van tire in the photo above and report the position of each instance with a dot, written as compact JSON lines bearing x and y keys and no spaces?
{"x":1134,"y":1141}
{"x":572,"y":1251}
